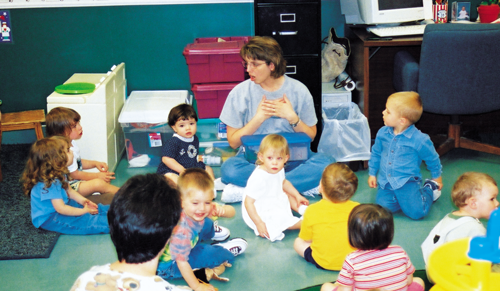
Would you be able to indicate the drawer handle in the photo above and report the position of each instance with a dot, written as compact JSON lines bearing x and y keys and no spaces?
{"x":288,"y":32}
{"x":287,"y":17}
{"x":291,"y":70}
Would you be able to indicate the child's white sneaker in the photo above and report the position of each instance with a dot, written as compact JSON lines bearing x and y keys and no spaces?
{"x":218,"y":185}
{"x":236,"y":245}
{"x":311,"y":192}
{"x":302,"y":209}
{"x":434,"y":186}
{"x":221,"y":233}
{"x":232,"y":194}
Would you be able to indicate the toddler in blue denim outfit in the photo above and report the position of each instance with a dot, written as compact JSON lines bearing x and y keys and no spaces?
{"x":396,"y":157}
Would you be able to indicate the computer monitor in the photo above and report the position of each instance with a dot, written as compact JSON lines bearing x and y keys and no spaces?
{"x":377,"y":12}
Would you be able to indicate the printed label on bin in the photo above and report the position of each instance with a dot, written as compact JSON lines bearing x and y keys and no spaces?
{"x":155,"y":139}
{"x":222,"y":131}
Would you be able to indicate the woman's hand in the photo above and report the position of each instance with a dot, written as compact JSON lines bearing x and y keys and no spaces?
{"x":282,"y":108}
{"x":265,"y":109}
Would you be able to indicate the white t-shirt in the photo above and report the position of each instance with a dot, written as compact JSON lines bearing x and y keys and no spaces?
{"x":103,"y":275}
{"x":271,"y":202}
{"x":77,"y":161}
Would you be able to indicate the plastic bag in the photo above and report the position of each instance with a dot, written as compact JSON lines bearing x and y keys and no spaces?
{"x":346,"y":133}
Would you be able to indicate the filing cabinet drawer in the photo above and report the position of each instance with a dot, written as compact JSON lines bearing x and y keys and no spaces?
{"x":294,"y":26}
{"x":308,"y":71}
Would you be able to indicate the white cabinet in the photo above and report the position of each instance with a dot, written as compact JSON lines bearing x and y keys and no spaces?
{"x":102,"y":138}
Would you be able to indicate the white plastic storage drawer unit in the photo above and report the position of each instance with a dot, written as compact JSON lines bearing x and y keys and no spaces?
{"x":144,"y":120}
{"x":332,"y":97}
{"x":102,"y":138}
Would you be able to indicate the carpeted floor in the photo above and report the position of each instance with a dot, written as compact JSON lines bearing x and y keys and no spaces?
{"x":19,"y":239}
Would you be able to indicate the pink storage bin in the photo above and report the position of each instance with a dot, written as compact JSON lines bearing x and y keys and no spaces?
{"x":210,"y":98}
{"x":216,"y":39}
{"x":210,"y":61}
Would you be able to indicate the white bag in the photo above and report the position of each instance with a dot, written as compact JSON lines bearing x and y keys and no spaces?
{"x":346,"y":133}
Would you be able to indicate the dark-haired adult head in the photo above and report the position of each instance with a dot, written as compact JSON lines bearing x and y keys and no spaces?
{"x":142,"y":216}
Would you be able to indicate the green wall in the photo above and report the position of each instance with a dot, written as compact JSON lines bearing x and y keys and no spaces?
{"x":51,"y":44}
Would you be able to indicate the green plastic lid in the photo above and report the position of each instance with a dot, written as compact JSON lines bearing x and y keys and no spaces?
{"x":75,"y":88}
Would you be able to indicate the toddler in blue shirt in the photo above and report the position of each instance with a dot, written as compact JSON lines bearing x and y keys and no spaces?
{"x":397,"y":154}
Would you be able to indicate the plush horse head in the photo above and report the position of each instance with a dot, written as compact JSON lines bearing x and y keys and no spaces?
{"x":334,"y":56}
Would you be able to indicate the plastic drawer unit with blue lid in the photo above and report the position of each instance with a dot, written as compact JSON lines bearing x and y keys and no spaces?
{"x":298,"y":142}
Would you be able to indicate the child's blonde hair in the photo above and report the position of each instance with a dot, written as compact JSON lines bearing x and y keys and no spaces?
{"x":60,"y":120}
{"x":408,"y":104}
{"x":468,"y":185}
{"x":275,"y":142}
{"x":194,"y":179}
{"x":47,"y":162}
{"x":339,"y":182}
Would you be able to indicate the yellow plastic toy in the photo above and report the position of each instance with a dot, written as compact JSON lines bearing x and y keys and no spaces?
{"x":465,"y":264}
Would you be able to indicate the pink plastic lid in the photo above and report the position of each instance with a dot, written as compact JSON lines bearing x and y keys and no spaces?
{"x":214,"y":48}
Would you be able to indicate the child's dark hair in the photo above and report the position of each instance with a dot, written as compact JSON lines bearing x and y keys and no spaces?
{"x":47,"y":162}
{"x":181,"y":112}
{"x":370,"y":227}
{"x":142,"y":216}
{"x":60,"y":120}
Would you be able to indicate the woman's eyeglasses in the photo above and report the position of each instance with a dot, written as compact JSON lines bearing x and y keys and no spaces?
{"x":252,"y":64}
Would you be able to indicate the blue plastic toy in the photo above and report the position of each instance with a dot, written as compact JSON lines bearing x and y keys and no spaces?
{"x":487,"y":247}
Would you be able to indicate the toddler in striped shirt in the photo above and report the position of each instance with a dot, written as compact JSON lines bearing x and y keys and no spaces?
{"x":376,"y":263}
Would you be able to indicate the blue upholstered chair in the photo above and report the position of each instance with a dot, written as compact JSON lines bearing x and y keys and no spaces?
{"x":458,"y":74}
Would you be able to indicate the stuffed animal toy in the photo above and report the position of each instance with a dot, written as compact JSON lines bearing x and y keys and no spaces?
{"x":207,"y":274}
{"x":215,"y":272}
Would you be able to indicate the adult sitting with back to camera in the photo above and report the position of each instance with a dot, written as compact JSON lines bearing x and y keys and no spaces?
{"x":269,"y":102}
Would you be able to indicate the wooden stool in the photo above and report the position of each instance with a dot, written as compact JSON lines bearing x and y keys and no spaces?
{"x":22,"y":120}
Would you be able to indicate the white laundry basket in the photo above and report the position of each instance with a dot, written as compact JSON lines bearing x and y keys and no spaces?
{"x":346,"y":133}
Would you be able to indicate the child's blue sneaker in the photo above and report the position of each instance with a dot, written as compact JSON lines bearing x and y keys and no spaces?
{"x":311,"y":192}
{"x":436,"y":193}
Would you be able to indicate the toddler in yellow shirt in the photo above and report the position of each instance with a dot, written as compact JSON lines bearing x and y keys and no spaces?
{"x":323,"y":239}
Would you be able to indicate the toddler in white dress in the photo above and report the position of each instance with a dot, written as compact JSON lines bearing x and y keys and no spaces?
{"x":268,"y":197}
